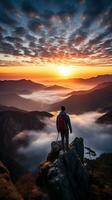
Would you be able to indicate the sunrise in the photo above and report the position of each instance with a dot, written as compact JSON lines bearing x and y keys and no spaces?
{"x":45,"y":35}
{"x":55,"y":99}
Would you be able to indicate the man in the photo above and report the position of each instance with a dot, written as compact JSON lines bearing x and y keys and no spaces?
{"x":63,"y":125}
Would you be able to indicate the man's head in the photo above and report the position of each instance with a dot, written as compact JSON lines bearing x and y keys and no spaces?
{"x":62,"y":108}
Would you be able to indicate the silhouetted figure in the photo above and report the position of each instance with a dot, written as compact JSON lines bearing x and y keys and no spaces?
{"x":63,"y":125}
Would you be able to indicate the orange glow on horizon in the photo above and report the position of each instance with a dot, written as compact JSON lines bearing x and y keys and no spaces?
{"x":66,"y":72}
{"x":52,"y":72}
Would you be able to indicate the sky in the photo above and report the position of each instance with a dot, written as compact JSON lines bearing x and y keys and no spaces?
{"x":55,"y":38}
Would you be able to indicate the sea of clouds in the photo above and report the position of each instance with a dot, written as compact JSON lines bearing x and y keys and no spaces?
{"x":97,"y":137}
{"x":48,"y":96}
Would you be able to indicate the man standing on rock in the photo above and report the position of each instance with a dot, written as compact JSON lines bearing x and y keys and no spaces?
{"x":63,"y":125}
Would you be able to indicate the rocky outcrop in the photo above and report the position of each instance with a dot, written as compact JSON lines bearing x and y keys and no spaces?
{"x":78,"y":145}
{"x":7,"y":188}
{"x":56,"y":147}
{"x":105,"y":119}
{"x":61,"y":177}
{"x":63,"y":174}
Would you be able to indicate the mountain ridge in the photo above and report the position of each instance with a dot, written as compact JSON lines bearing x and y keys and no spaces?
{"x":92,"y":101}
{"x":14,"y":122}
{"x":56,"y":87}
{"x":21,"y":86}
{"x":94,"y":80}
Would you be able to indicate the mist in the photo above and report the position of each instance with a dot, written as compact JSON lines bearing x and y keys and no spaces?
{"x":47,"y":96}
{"x":97,"y":137}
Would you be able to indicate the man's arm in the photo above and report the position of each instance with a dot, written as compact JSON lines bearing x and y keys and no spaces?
{"x":57,"y":124}
{"x":69,"y":124}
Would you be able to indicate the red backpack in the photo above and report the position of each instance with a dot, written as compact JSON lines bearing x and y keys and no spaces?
{"x":61,"y":123}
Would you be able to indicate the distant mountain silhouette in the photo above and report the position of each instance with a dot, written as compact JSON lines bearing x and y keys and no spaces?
{"x":106,"y":118}
{"x":106,"y":108}
{"x":14,"y":100}
{"x":14,"y":122}
{"x":20,"y":86}
{"x":93,"y":80}
{"x":56,"y":87}
{"x":10,"y":91}
{"x":8,"y":108}
{"x":99,"y":86}
{"x":91,"y":100}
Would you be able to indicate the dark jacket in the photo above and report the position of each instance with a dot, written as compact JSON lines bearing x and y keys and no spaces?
{"x":67,"y":121}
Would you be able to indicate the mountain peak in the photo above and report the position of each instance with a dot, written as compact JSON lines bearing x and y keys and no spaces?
{"x":63,"y":173}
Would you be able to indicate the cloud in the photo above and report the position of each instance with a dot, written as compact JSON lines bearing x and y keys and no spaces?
{"x":106,"y":21}
{"x":67,"y":31}
{"x":35,"y":25}
{"x":39,"y":26}
{"x":48,"y":97}
{"x":30,"y":38}
{"x":6,"y":48}
{"x":2,"y":30}
{"x":29,"y":7}
{"x":93,"y":11}
{"x":13,"y":39}
{"x":68,"y":11}
{"x":95,"y":136}
{"x":27,"y":51}
{"x":5,"y":18}
{"x":77,"y":38}
{"x":20,"y":31}
{"x":8,"y":4}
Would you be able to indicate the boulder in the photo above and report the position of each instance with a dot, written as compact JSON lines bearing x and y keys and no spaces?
{"x":78,"y":145}
{"x":55,"y":150}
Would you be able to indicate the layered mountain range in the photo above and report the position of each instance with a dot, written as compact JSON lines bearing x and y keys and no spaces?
{"x":89,"y":100}
{"x":77,"y":102}
{"x":66,"y":176}
{"x":93,"y":80}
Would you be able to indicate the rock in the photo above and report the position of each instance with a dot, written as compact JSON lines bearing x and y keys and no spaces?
{"x":78,"y":145}
{"x":55,"y":149}
{"x":7,"y":189}
{"x":64,"y":175}
{"x":105,"y":119}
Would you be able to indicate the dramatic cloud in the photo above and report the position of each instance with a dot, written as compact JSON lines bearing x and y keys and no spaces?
{"x":67,"y":31}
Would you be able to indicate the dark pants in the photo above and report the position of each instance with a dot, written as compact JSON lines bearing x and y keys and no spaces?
{"x":65,"y":139}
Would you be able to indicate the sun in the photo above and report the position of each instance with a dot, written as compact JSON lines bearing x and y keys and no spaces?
{"x":65,"y":71}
